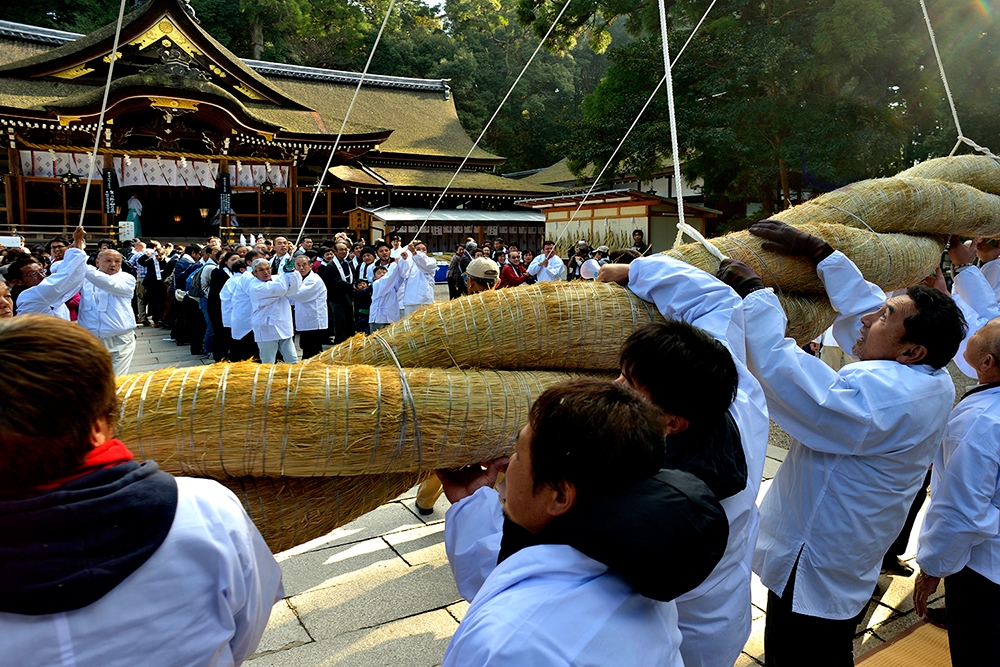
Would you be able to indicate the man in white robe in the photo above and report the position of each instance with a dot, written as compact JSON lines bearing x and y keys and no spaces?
{"x":679,"y":376}
{"x":548,"y":265}
{"x":106,"y":308}
{"x":592,"y":542}
{"x":863,"y":439}
{"x":960,"y":538}
{"x":47,"y":295}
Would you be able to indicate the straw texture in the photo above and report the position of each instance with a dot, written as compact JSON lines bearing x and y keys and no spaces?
{"x":892,"y":261}
{"x":291,"y":510}
{"x":552,"y":325}
{"x":903,"y":204}
{"x":251,"y":419}
{"x":979,"y":171}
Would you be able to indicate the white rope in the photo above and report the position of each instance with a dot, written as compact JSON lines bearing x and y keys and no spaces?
{"x":673,"y":120}
{"x":684,"y":228}
{"x":490,"y":122}
{"x":962,"y":139}
{"x":611,"y":160}
{"x":104,"y":108}
{"x":329,"y":160}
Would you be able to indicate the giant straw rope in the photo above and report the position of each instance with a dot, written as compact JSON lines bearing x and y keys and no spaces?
{"x":312,"y":446}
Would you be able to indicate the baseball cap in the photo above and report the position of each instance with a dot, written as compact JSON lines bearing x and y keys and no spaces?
{"x":484,"y":269}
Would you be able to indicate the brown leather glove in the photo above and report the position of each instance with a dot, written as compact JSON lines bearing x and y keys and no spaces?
{"x":787,"y":240}
{"x":739,"y":276}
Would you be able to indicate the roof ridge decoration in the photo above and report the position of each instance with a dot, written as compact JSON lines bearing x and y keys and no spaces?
{"x":30,"y":33}
{"x":162,"y":25}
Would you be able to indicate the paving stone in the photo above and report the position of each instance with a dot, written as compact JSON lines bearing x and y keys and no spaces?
{"x":458,"y":610}
{"x":320,"y":568}
{"x":771,"y":467}
{"x":866,"y":642}
{"x":746,"y":661}
{"x":756,"y":612}
{"x":755,"y":644}
{"x":898,"y":624}
{"x":419,"y":641}
{"x":441,"y":506}
{"x":380,"y":593}
{"x":897,"y":592}
{"x":409,"y":494}
{"x":420,"y":545}
{"x":283,"y":631}
{"x":778,"y":453}
{"x":385,"y":519}
{"x":758,"y":592}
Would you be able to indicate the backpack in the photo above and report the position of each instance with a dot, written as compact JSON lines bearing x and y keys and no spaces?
{"x":194,"y":289}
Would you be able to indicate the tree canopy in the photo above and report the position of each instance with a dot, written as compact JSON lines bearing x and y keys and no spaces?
{"x":826,"y":91}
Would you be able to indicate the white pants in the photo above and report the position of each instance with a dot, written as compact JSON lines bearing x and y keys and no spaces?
{"x":122,"y":349}
{"x":269,"y":351}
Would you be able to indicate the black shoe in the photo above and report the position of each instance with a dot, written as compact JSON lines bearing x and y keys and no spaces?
{"x":896,"y":567}
{"x":424,"y":511}
{"x":938,"y":617}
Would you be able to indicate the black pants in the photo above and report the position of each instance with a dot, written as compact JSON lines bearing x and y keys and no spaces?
{"x":222,"y":339}
{"x":311,"y":342}
{"x":342,"y":310}
{"x":456,"y":287}
{"x":244,"y":349}
{"x":973,"y":623}
{"x":899,"y":546}
{"x":792,"y":639}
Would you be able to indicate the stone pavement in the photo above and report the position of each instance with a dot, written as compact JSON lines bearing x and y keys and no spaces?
{"x":378,"y":591}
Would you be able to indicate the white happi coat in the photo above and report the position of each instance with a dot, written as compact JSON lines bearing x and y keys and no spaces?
{"x":203,"y":598}
{"x":106,"y":303}
{"x":863,"y":439}
{"x":556,"y":269}
{"x":311,"y":311}
{"x":49,"y":297}
{"x":715,"y":618}
{"x":977,"y":299}
{"x":548,"y":604}
{"x":419,"y":287}
{"x":229,"y":290}
{"x":272,"y":314}
{"x":385,"y":294}
{"x":242,"y":308}
{"x":962,"y":525}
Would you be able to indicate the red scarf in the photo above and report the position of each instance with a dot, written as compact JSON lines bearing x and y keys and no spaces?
{"x":111,"y":453}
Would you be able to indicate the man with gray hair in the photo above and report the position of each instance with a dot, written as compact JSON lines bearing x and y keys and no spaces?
{"x":106,"y":308}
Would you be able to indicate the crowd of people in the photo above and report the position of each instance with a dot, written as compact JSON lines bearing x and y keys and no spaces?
{"x":624,"y":526}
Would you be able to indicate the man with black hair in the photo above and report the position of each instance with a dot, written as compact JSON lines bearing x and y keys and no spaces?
{"x":90,"y":537}
{"x":581,"y":561}
{"x":863,"y":439}
{"x":693,"y":368}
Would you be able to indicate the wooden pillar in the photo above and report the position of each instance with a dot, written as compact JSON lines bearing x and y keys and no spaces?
{"x":110,"y":219}
{"x":225,"y":220}
{"x":12,"y":184}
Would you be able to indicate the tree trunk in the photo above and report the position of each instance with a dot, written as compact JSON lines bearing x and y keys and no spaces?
{"x":767,"y":200}
{"x":257,"y":38}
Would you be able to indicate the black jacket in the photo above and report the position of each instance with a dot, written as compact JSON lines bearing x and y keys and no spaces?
{"x":664,"y":535}
{"x":66,"y":548}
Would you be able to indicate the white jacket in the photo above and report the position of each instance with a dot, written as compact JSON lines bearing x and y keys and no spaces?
{"x":106,"y":303}
{"x":311,"y":311}
{"x":552,"y":605}
{"x":976,"y":298}
{"x":715,"y":618}
{"x":419,"y":287}
{"x":385,"y":294}
{"x":203,"y":598}
{"x":229,"y":290}
{"x":556,"y":269}
{"x":962,"y":524}
{"x":49,"y":297}
{"x":242,"y":308}
{"x":863,"y":439}
{"x":272,"y":314}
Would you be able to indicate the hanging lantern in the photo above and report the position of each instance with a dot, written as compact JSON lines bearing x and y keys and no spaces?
{"x":69,"y":180}
{"x":267,"y":188}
